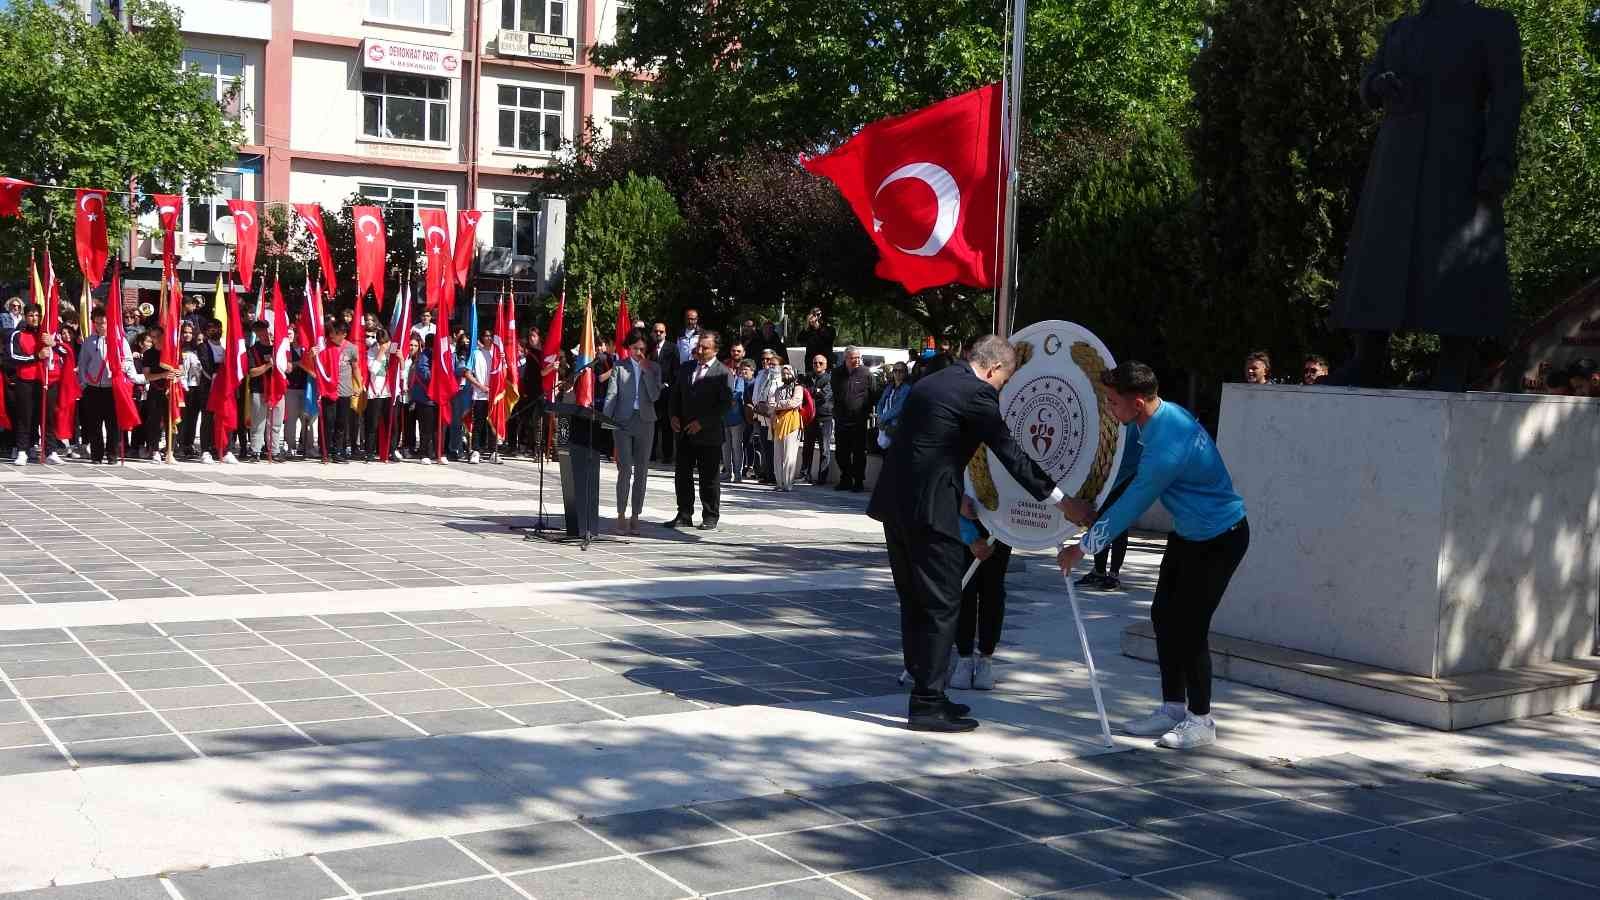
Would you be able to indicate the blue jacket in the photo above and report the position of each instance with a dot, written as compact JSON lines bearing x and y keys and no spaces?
{"x":1180,"y":465}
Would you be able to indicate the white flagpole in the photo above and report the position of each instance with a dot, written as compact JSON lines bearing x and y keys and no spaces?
{"x":1004,"y":290}
{"x":1088,"y":659}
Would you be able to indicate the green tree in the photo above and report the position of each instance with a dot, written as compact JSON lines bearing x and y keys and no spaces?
{"x":623,"y":240}
{"x":92,"y":105}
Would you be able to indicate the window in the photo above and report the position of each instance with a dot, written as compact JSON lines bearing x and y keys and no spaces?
{"x":516,"y":228}
{"x":225,"y":71}
{"x":401,"y":204}
{"x":203,"y":211}
{"x":622,"y":109}
{"x":427,"y":13}
{"x":530,"y":118}
{"x":625,"y":23}
{"x":540,"y":16}
{"x":405,"y":107}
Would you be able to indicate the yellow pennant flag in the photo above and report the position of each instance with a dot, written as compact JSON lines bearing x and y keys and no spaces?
{"x":219,"y":311}
{"x":83,"y":314}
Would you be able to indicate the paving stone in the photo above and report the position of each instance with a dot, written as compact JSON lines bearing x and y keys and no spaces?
{"x":241,"y":655}
{"x":513,"y":694}
{"x":215,"y":718}
{"x":350,"y":731}
{"x":1406,"y":850}
{"x":281,"y":879}
{"x":768,"y":814}
{"x":565,"y":712}
{"x":1226,"y":880}
{"x":460,"y":721}
{"x":344,"y":620}
{"x":181,"y":697}
{"x":610,"y":878}
{"x":1131,"y":805}
{"x":88,"y":633}
{"x":1031,"y":869}
{"x":734,"y":695}
{"x":477,"y":676}
{"x":478,"y":889}
{"x":1504,"y":881}
{"x":1377,"y":806}
{"x":12,"y":711}
{"x":1130,"y":851}
{"x":208,"y":626}
{"x":22,"y":734}
{"x":723,"y":867}
{"x":1509,"y":781}
{"x":1323,"y":868}
{"x":1355,"y":769}
{"x":1133,"y":766}
{"x":158,"y":748}
{"x":1578,"y":862}
{"x":1048,"y":778}
{"x":941,"y":833}
{"x":841,"y":848}
{"x":148,"y":888}
{"x":94,"y":728}
{"x":428,"y":701}
{"x":24,"y":760}
{"x":921,"y":880}
{"x":248,"y":740}
{"x":171,"y":678}
{"x":10,"y":637}
{"x":1416,"y":889}
{"x":1544,"y":818}
{"x":324,"y":710}
{"x":810,"y":889}
{"x":335,"y":648}
{"x":87,"y":705}
{"x":658,"y":829}
{"x":1219,"y":834}
{"x":961,"y":790}
{"x":303,"y":689}
{"x":1482,"y":836}
{"x":63,"y":685}
{"x":647,"y":705}
{"x":249,"y":673}
{"x":535,"y":846}
{"x":1303,"y":820}
{"x":386,"y":682}
{"x":80,"y":666}
{"x":1447,"y":795}
{"x":409,"y":863}
{"x":141,"y":662}
{"x":870,"y":801}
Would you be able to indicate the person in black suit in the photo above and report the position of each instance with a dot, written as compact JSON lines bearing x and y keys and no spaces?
{"x":918,"y":500}
{"x":699,"y":402}
{"x":665,"y":354}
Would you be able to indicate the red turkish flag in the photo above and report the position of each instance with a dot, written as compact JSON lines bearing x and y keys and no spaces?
{"x":551,"y":369}
{"x":436,"y":244}
{"x":311,"y":217}
{"x":167,"y":207}
{"x":247,"y":225}
{"x":624,"y":328}
{"x":371,"y":251}
{"x":925,"y":185}
{"x":89,"y":231}
{"x":466,"y":243}
{"x":11,"y":203}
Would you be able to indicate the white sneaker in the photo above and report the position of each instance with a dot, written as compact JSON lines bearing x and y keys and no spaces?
{"x":1159,"y":722}
{"x":54,"y":458}
{"x":983,"y":674}
{"x":961,"y":676}
{"x":497,"y":460}
{"x":1194,"y":731}
{"x":22,"y":458}
{"x":425,"y":461}
{"x":207,"y":458}
{"x":228,"y":459}
{"x":474,"y":458}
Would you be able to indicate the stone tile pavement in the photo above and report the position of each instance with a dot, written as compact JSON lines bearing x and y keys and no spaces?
{"x":142,"y":692}
{"x":1122,"y":825}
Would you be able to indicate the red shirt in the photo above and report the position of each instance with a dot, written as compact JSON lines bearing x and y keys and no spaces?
{"x":28,"y":344}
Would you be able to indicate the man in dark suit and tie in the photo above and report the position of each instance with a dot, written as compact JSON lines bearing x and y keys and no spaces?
{"x":700,"y":399}
{"x":918,"y":500}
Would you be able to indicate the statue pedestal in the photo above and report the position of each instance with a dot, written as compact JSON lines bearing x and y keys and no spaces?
{"x":1428,"y":557}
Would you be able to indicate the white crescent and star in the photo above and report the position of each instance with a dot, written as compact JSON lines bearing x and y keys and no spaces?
{"x":249,"y":219}
{"x":83,"y":204}
{"x":377,"y":228}
{"x":945,"y":191}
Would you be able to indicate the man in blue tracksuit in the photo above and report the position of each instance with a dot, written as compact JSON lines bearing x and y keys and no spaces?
{"x":1179,"y":465}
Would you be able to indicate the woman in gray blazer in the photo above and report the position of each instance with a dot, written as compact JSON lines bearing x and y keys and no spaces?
{"x":631,"y":395}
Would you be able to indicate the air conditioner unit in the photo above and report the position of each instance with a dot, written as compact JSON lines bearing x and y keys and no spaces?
{"x":511,"y":43}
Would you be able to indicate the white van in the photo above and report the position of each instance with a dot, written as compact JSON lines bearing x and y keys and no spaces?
{"x":873,"y":358}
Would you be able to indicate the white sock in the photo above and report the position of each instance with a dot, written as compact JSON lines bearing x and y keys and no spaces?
{"x":1175,"y":711}
{"x":1204,"y":720}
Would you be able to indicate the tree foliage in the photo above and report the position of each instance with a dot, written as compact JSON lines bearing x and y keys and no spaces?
{"x":623,"y":241}
{"x":91,"y":105}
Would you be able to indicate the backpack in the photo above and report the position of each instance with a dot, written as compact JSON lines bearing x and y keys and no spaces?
{"x":808,"y":408}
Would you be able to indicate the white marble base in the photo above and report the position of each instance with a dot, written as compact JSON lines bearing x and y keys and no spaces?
{"x":1425,"y":533}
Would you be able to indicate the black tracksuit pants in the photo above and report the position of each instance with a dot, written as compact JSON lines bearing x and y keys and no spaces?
{"x":1194,"y":576}
{"x":983,"y":603}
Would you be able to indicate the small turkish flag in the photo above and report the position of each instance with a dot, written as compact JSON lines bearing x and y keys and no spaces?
{"x":311,"y":217}
{"x":90,"y":233}
{"x":466,"y":243}
{"x":246,"y":229}
{"x":371,"y":252}
{"x":11,"y":203}
{"x":436,"y":244}
{"x":926,"y":187}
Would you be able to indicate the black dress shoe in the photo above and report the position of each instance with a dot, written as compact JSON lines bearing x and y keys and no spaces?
{"x":707,"y":526}
{"x":677,"y":522}
{"x":956,"y":709}
{"x":940,"y":719}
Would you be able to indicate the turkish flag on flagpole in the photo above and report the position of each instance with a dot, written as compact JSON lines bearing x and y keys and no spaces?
{"x":276,"y":383}
{"x":11,"y":203}
{"x":550,"y":372}
{"x":371,"y":251}
{"x":925,"y":185}
{"x":117,"y":350}
{"x":89,"y":232}
{"x":436,"y":244}
{"x":167,"y":206}
{"x":311,"y":216}
{"x":466,"y":243}
{"x":620,"y":345}
{"x":246,"y":234}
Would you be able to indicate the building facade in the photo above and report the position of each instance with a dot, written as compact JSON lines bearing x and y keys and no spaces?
{"x":414,"y":103}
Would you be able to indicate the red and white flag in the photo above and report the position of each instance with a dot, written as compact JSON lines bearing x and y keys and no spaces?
{"x":552,"y":351}
{"x":276,"y":383}
{"x":371,"y":251}
{"x":436,"y":244}
{"x":624,"y":327}
{"x":246,"y":228}
{"x":11,"y":203}
{"x":466,"y":243}
{"x":89,"y":233}
{"x":117,"y":350}
{"x":925,"y":185}
{"x":311,"y":216}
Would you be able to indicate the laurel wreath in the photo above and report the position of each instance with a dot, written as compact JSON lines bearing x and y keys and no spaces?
{"x":1088,"y":360}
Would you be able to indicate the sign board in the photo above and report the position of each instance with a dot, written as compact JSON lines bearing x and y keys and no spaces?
{"x":533,"y":45}
{"x":1054,"y":407}
{"x":412,"y":59}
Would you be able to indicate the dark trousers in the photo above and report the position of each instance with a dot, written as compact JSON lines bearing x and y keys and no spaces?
{"x":666,"y":440}
{"x":983,"y":603}
{"x":927,"y":569}
{"x":852,"y":440}
{"x":483,"y":436}
{"x":98,"y":416}
{"x":377,"y":411}
{"x":1117,"y":550}
{"x":704,"y":460}
{"x":427,"y":419}
{"x":1194,"y":576}
{"x":27,"y":417}
{"x":348,"y":440}
{"x":333,"y":413}
{"x":194,"y":400}
{"x":153,"y":419}
{"x":766,"y":453}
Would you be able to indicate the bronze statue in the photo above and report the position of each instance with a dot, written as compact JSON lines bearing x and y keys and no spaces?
{"x":1428,"y":250}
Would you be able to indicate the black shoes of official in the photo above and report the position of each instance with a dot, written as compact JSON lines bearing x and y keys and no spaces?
{"x":677,"y":522}
{"x":939,"y":715}
{"x":707,"y":526}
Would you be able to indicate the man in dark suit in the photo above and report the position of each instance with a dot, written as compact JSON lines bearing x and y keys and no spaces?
{"x":699,"y":402}
{"x":918,"y":500}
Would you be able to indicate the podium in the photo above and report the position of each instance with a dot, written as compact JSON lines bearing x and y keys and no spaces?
{"x":580,"y":476}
